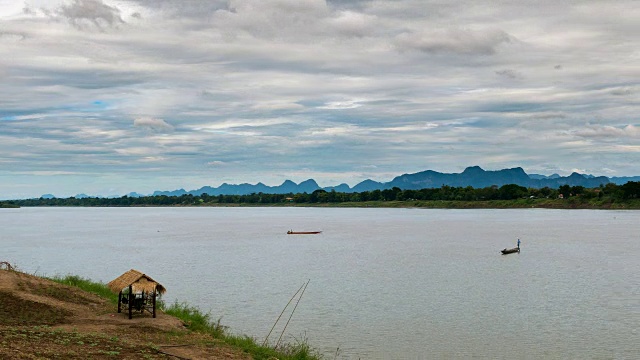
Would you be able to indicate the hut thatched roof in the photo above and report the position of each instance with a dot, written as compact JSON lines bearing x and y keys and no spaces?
{"x":137,"y":280}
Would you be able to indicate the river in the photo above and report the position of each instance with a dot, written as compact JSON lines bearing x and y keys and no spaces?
{"x":383,"y":283}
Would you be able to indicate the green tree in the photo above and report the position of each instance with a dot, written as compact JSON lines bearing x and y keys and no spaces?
{"x":565,"y":190}
{"x":631,"y":190}
{"x":613,"y":191}
{"x":577,"y":190}
{"x":512,"y":191}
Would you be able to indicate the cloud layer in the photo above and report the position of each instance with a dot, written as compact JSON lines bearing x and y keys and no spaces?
{"x":105,"y":97}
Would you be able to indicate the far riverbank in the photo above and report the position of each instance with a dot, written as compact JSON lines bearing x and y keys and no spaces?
{"x":571,"y":203}
{"x":509,"y":196}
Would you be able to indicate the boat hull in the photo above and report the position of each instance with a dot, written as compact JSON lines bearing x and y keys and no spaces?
{"x":510,"y":251}
{"x":303,"y":232}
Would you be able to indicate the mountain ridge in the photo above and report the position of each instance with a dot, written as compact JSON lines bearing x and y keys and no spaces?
{"x":473,"y":176}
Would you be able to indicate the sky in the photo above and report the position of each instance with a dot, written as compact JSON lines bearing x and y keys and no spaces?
{"x":107,"y":97}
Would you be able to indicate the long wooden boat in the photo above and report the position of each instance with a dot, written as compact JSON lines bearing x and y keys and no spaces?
{"x":291,"y":232}
{"x":510,"y":251}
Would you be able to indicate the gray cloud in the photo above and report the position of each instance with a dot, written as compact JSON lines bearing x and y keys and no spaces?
{"x":509,"y":73}
{"x":152,"y":123}
{"x":341,"y":89}
{"x":458,"y":41}
{"x":7,"y":36}
{"x":611,"y":132}
{"x":623,"y":91}
{"x":184,"y":8}
{"x":81,"y":13}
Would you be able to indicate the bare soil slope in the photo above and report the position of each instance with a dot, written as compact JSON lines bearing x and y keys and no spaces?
{"x":41,"y":319}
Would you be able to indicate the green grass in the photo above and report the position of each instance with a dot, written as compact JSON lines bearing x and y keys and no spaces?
{"x":571,"y":203}
{"x":87,"y":285}
{"x":201,"y":322}
{"x":198,"y":321}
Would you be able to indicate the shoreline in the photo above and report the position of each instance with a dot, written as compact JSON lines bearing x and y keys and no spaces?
{"x":505,"y":197}
{"x":560,"y":204}
{"x":75,"y":318}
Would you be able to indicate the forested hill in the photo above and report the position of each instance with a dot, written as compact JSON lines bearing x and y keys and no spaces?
{"x":609,"y":196}
{"x":474,"y":176}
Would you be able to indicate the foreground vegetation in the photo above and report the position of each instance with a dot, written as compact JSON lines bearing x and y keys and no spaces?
{"x":74,"y":318}
{"x":200,"y":322}
{"x":610,"y":196}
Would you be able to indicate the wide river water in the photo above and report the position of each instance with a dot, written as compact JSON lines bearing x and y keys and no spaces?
{"x":384,"y":283}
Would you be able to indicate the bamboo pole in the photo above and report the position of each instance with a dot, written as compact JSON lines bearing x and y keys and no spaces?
{"x":278,"y":319}
{"x":294,"y":310}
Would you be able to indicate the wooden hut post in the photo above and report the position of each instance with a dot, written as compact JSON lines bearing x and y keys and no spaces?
{"x":130,"y":301}
{"x":154,"y":301}
{"x":120,"y":301}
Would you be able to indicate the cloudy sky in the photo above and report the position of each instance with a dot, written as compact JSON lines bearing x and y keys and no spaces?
{"x":105,"y":97}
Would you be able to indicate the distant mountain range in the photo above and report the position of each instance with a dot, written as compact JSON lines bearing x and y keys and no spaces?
{"x":472,"y":176}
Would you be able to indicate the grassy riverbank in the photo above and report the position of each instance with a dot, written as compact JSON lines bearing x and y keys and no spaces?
{"x":574,"y":202}
{"x":72,"y":318}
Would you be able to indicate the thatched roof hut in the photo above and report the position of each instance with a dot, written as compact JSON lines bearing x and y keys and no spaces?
{"x":141,"y":294}
{"x":137,"y":280}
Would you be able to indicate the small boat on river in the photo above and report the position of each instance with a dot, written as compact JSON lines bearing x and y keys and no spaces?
{"x":291,"y":232}
{"x":510,"y":251}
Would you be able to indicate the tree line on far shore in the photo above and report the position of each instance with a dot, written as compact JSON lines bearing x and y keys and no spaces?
{"x":609,"y":192}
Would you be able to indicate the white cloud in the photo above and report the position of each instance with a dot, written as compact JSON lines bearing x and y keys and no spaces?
{"x":276,"y":105}
{"x":598,"y":131}
{"x":344,"y":104}
{"x":48,"y":173}
{"x":216,"y":163}
{"x":352,"y":23}
{"x":152,"y":159}
{"x":152,"y":123}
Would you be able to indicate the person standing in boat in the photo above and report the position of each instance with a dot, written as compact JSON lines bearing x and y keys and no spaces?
{"x":518,"y":243}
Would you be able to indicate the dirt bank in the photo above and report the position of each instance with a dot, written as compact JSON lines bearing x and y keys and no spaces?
{"x":41,"y":319}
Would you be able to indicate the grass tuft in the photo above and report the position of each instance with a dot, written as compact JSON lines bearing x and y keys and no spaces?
{"x":198,"y":321}
{"x":195,"y":319}
{"x":87,"y":285}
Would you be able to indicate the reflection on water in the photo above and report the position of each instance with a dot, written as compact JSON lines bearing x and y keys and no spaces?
{"x":384,"y":283}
